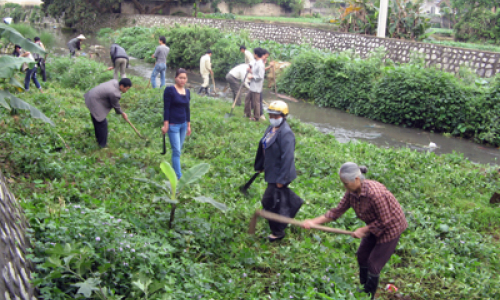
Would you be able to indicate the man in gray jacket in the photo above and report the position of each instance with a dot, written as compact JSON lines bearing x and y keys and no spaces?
{"x":120,"y":60}
{"x":100,"y":100}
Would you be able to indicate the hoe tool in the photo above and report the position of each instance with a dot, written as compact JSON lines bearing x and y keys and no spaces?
{"x":230,"y":114}
{"x":245,"y":187}
{"x":278,"y":218}
{"x":164,"y":146}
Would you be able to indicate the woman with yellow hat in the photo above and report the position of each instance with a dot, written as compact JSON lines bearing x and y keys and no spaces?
{"x":275,"y":157}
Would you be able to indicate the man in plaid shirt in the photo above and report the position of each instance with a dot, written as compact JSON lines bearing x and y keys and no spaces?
{"x":378,"y":208}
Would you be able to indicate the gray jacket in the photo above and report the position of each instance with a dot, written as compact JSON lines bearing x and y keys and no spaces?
{"x":277,"y":160}
{"x":74,"y":44}
{"x":101,"y":99}
{"x":118,"y":52}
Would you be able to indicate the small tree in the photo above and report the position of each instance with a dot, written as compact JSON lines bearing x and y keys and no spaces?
{"x":174,"y":186}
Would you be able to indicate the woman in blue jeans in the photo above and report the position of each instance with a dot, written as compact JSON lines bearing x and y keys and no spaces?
{"x":176,"y":117}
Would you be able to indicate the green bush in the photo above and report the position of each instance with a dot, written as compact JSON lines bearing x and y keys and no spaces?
{"x":407,"y":94}
{"x":479,"y":25}
{"x":191,"y":42}
{"x":81,"y":73}
{"x":26,"y":30}
{"x":12,"y":5}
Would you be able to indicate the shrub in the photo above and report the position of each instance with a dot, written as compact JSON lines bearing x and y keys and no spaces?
{"x":408,"y":94}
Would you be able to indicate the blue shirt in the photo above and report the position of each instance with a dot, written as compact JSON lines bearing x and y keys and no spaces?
{"x":176,"y":106}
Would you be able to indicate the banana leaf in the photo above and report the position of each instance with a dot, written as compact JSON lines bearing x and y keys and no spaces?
{"x":20,"y":104}
{"x":15,"y":37}
{"x":11,"y":65}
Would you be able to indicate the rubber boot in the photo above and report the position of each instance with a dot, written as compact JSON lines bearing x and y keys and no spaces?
{"x":207,"y":91}
{"x":371,"y":285}
{"x":200,"y":90}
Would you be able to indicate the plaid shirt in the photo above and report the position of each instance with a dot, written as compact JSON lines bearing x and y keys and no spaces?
{"x":377,"y":207}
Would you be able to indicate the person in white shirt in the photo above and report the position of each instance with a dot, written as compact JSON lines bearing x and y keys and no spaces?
{"x":248,"y":55}
{"x":235,"y":77}
{"x":205,"y":71}
{"x":256,"y":76}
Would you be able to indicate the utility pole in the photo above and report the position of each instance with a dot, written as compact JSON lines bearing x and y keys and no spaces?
{"x":382,"y":18}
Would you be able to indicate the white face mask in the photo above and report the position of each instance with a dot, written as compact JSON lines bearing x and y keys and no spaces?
{"x":275,"y":122}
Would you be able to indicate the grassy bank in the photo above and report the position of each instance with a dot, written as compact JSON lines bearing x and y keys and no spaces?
{"x":96,"y":230}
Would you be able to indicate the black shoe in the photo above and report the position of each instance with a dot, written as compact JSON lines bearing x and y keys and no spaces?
{"x":371,"y":285}
{"x":271,"y":239}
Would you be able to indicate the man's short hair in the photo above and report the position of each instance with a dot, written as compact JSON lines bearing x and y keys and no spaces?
{"x":36,"y":39}
{"x":163,"y":39}
{"x":208,"y":51}
{"x":259,"y":52}
{"x":125,"y":82}
{"x":243,"y":48}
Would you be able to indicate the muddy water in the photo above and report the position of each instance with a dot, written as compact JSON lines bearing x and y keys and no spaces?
{"x":345,"y":127}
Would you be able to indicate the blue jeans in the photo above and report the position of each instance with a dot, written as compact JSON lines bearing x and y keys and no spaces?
{"x":176,"y":135}
{"x":31,"y":73}
{"x":159,"y":68}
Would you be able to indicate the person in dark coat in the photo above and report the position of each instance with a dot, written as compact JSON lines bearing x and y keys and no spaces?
{"x":275,"y":157}
{"x":100,"y":100}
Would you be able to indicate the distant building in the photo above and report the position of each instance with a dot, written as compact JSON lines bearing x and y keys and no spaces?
{"x":431,"y":7}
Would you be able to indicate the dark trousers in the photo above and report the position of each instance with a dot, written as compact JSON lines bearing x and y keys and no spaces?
{"x":252,"y":102}
{"x":41,"y":64}
{"x":281,"y":201}
{"x":101,"y":131}
{"x":374,"y":256}
{"x":31,"y":74}
{"x":261,"y":107}
{"x":234,"y":84}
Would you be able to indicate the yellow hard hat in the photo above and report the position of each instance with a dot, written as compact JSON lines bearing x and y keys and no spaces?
{"x":278,"y":107}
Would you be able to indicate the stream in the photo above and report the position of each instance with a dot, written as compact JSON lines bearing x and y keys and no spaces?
{"x":344,"y":126}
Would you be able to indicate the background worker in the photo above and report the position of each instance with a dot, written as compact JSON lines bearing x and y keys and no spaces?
{"x":248,"y":55}
{"x":41,"y":60}
{"x":100,"y":100}
{"x":275,"y":157}
{"x":160,"y":54}
{"x":378,"y":208}
{"x":31,"y":73}
{"x":75,"y":44}
{"x":120,"y":60}
{"x":256,"y":76}
{"x":206,"y":71}
{"x":235,"y":77}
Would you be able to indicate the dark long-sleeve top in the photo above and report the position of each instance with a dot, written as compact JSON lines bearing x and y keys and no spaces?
{"x":176,"y":106}
{"x":275,"y":155}
{"x":74,"y":44}
{"x":116,"y":51}
{"x":377,"y":207}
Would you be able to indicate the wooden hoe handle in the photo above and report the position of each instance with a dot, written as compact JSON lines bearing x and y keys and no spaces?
{"x":275,"y":217}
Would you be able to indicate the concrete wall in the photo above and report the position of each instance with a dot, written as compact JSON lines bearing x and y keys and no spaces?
{"x":448,"y":59}
{"x":261,"y":9}
{"x":486,"y":64}
{"x":15,"y":269}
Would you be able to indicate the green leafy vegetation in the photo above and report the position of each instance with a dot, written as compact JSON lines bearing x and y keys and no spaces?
{"x":408,"y":94}
{"x":476,"y":46}
{"x":189,"y":43}
{"x":97,"y":233}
